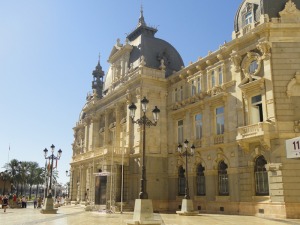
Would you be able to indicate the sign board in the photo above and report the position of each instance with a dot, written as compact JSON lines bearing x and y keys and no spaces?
{"x":293,"y":148}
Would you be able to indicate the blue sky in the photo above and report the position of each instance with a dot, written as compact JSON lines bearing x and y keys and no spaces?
{"x":48,"y":50}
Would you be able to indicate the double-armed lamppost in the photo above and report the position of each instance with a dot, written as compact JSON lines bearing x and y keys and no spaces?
{"x":187,"y":154}
{"x":144,"y":121}
{"x":51,"y":157}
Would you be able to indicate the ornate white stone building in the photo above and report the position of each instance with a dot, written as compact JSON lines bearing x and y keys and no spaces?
{"x":237,"y":105}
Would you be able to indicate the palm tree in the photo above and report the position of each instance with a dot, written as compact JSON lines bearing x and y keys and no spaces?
{"x":23,"y":173}
{"x":32,"y":168}
{"x":39,"y":178}
{"x":5,"y":176}
{"x":14,"y":168}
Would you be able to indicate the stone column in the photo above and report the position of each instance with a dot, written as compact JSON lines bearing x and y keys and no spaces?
{"x":211,"y":131}
{"x":83,"y":183}
{"x":234,"y":184}
{"x":118,"y":128}
{"x":86,"y":136}
{"x":265,"y":48}
{"x":236,"y":74}
{"x":90,"y":135}
{"x":211,"y":181}
{"x":71,"y":185}
{"x":187,"y":126}
{"x":106,"y":130}
{"x":276,"y":190}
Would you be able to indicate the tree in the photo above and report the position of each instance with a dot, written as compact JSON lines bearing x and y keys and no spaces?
{"x":14,"y":168}
{"x":39,"y":178}
{"x":32,"y":169}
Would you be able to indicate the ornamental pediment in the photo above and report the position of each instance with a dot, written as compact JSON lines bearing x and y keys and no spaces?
{"x":290,"y":14}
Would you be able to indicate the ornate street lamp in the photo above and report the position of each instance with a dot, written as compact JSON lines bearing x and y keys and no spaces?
{"x":49,"y":200}
{"x":187,"y":207}
{"x":51,"y":157}
{"x":144,"y":121}
{"x":187,"y":154}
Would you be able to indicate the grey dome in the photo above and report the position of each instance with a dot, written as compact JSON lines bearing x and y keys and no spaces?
{"x":260,"y":7}
{"x":154,"y":49}
{"x":144,"y":43}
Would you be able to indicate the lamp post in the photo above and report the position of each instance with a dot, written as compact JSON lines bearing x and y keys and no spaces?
{"x":51,"y":157}
{"x":186,"y":154}
{"x":187,"y":207}
{"x":49,"y":200}
{"x":143,"y":121}
{"x":143,"y":209}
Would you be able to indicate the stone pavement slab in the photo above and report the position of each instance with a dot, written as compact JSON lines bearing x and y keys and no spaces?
{"x":75,"y":215}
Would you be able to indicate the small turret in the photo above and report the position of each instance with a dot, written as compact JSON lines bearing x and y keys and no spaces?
{"x":97,"y":83}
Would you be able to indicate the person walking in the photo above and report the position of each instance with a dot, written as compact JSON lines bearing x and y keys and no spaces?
{"x":39,"y":202}
{"x":5,"y":203}
{"x":35,"y":203}
{"x":23,"y":202}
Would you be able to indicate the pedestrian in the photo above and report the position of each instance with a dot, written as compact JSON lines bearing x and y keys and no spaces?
{"x":5,"y":203}
{"x":35,"y":203}
{"x":23,"y":201}
{"x":15,"y":203}
{"x":39,"y":202}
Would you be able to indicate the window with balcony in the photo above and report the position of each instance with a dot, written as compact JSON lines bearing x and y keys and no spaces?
{"x":175,"y":95}
{"x":261,"y":177}
{"x":180,"y":131}
{"x":256,"y":111}
{"x":181,"y":93}
{"x":220,"y":120}
{"x":220,"y":76}
{"x":200,"y":180}
{"x":213,"y":79}
{"x":181,"y":181}
{"x":223,"y":179}
{"x":198,"y":126}
{"x":199,"y":85}
{"x":193,"y":88}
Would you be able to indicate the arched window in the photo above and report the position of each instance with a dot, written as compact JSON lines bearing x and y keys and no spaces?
{"x":261,"y":177}
{"x":181,"y":181}
{"x":200,"y":180}
{"x":223,"y":179}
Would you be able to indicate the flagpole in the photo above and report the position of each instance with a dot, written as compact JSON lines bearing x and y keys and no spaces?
{"x":8,"y":154}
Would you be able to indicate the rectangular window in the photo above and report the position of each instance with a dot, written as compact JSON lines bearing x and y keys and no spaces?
{"x":181,"y":186}
{"x":220,"y":76}
{"x":200,"y":185}
{"x":181,"y":93}
{"x":223,"y":184}
{"x":248,"y":18}
{"x":199,"y":85}
{"x":175,"y":95}
{"x":256,"y":109}
{"x":220,"y":120}
{"x":198,"y":126}
{"x":262,"y":184}
{"x":193,"y":88}
{"x":180,"y":131}
{"x":213,"y":80}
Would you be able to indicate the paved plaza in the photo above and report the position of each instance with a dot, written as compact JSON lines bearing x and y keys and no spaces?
{"x":73,"y":215}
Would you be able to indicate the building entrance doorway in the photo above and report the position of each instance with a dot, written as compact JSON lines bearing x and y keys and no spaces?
{"x":100,"y":190}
